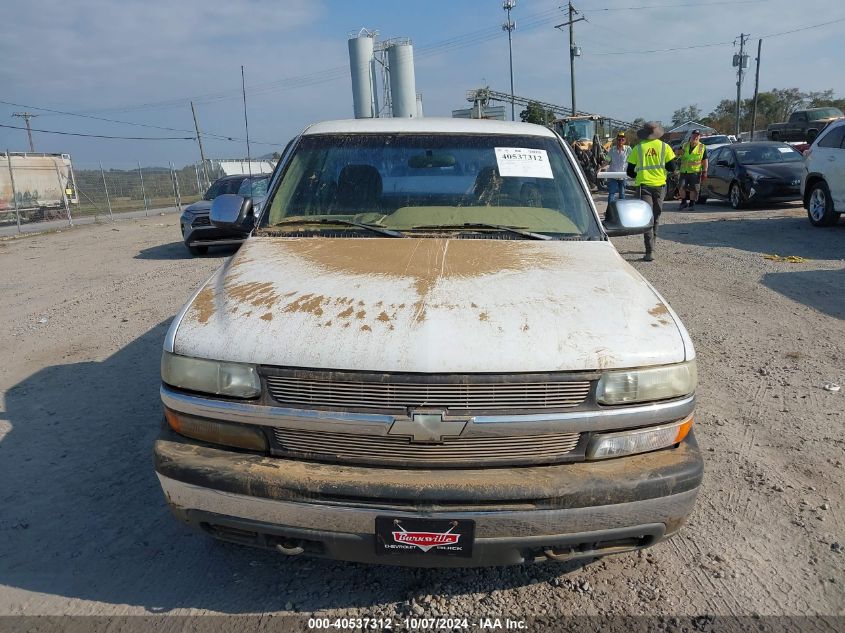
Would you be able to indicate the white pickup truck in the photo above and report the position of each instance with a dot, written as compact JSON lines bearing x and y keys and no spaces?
{"x":429,"y":353}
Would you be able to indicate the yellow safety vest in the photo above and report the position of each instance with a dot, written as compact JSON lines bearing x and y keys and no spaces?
{"x":691,"y":160}
{"x":650,"y":158}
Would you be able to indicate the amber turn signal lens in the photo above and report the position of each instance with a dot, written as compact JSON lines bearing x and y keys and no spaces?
{"x":216,"y":432}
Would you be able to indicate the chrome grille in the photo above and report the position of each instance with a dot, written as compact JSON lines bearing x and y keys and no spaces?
{"x":386,"y":396}
{"x":388,"y":449}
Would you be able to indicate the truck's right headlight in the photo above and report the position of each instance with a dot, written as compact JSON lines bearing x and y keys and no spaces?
{"x":649,"y":384}
{"x":221,"y":378}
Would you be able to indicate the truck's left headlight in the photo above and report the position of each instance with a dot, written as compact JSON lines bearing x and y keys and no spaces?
{"x":221,"y":378}
{"x":647,"y":385}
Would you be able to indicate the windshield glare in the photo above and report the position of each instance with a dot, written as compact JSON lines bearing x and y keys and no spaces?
{"x":254,"y":187}
{"x":407,"y":181}
{"x":768,"y":154}
{"x":224,"y":185}
{"x":824,"y":113}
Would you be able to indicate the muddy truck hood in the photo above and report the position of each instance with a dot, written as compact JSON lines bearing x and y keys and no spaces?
{"x":430,"y":305}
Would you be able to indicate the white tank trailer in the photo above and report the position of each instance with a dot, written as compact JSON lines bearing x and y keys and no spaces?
{"x":403,"y":85}
{"x":362,"y":66}
{"x":36,"y":185}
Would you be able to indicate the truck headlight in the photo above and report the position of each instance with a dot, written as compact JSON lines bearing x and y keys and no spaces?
{"x":236,"y":380}
{"x":650,"y":438}
{"x":645,"y":385}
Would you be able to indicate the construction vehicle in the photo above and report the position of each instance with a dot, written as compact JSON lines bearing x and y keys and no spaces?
{"x":581,"y":129}
{"x":585,"y":133}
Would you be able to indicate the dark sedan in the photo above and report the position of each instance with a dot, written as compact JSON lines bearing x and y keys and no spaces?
{"x":197,"y":230}
{"x":744,"y":173}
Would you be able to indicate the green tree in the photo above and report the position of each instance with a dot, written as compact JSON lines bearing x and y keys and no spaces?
{"x":824,"y":98}
{"x":682,"y":115}
{"x":631,"y":133}
{"x":789,"y":100}
{"x":535,"y":113}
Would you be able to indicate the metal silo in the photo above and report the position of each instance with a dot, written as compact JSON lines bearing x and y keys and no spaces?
{"x":403,"y":91}
{"x":361,"y":65}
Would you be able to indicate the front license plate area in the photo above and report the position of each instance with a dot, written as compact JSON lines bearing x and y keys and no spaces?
{"x":426,"y":537}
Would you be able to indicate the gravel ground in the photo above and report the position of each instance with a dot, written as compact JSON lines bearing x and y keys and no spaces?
{"x":84,"y":529}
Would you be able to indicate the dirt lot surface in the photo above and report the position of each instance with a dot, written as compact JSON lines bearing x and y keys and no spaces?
{"x":84,"y":528}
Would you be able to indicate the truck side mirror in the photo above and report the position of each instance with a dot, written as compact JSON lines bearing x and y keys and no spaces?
{"x":627,"y":217}
{"x":231,"y":211}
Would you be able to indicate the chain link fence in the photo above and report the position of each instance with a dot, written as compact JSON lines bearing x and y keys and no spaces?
{"x":48,"y":191}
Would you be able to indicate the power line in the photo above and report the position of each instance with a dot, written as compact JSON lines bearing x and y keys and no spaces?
{"x":125,"y":138}
{"x":803,"y":28}
{"x":645,"y":7}
{"x":147,"y":125}
{"x":732,"y":42}
{"x":663,"y":50}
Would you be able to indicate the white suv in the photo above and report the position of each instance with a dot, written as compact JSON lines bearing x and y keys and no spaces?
{"x":823,"y":185}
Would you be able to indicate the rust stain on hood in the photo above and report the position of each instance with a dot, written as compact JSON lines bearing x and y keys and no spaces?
{"x":660,"y":312}
{"x":203,"y":305}
{"x":307,"y":303}
{"x":258,"y":294}
{"x":424,"y":261}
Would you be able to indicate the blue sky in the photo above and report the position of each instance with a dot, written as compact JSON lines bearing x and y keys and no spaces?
{"x":143,"y":61}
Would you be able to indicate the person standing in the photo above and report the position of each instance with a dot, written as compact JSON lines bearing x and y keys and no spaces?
{"x":618,"y":155}
{"x":693,"y":170}
{"x":648,"y":163}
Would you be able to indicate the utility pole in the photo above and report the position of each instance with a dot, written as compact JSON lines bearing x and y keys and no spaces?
{"x":574,"y":51}
{"x":509,"y":26}
{"x":26,"y":116}
{"x":199,"y":140}
{"x":246,"y":125}
{"x":741,"y":62}
{"x":756,"y":90}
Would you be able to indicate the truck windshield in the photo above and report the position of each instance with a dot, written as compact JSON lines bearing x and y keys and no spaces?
{"x":824,"y":113}
{"x":425,"y":181}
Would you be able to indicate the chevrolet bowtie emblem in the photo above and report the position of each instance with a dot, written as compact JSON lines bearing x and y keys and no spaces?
{"x":429,"y":428}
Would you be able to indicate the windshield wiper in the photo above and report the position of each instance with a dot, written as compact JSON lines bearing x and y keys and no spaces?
{"x":370,"y":227}
{"x":481,"y":225}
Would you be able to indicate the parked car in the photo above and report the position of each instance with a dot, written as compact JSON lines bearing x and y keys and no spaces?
{"x":429,"y":353}
{"x":197,"y":231}
{"x":751,"y":172}
{"x":715,"y":141}
{"x":823,"y":181}
{"x":803,"y":125}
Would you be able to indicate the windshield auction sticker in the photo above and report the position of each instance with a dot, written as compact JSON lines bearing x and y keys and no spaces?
{"x":523,"y":162}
